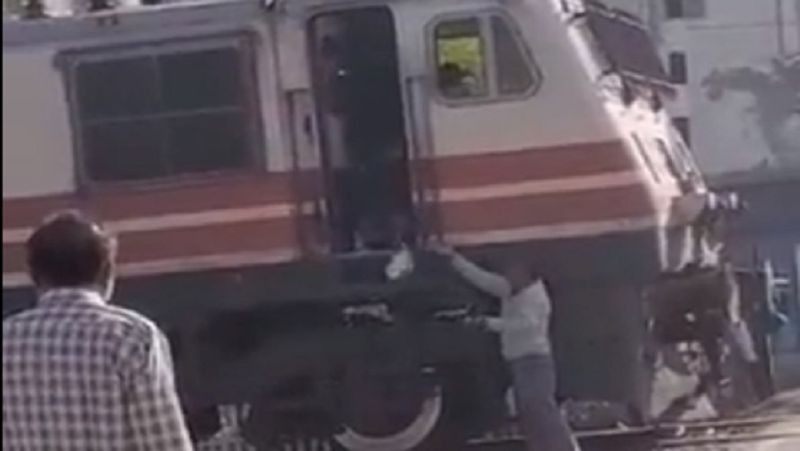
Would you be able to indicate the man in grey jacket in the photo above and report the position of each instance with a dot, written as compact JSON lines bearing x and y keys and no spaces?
{"x":523,"y":326}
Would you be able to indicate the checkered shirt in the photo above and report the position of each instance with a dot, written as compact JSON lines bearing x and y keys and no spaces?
{"x":81,"y":375}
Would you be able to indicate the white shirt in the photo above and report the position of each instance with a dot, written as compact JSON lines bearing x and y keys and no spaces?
{"x":524,"y":322}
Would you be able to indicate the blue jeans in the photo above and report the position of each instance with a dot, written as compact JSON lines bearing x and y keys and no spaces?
{"x":541,"y":422}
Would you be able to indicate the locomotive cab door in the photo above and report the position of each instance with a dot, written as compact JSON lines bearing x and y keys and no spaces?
{"x":359,"y":110}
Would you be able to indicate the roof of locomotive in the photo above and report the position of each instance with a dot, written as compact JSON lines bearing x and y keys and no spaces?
{"x":17,"y":32}
{"x":140,"y":18}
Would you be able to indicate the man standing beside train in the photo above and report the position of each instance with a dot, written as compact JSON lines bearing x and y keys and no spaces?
{"x":78,"y":373}
{"x":523,"y":326}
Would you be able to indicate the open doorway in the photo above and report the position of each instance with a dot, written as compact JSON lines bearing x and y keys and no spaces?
{"x":362,"y":133}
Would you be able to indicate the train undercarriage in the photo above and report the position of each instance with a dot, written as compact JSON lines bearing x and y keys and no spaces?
{"x":332,"y":350}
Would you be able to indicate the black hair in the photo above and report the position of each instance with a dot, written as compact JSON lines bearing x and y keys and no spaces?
{"x":531,"y":269}
{"x":69,"y":250}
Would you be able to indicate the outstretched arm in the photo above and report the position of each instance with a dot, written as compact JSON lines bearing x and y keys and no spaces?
{"x":482,"y":279}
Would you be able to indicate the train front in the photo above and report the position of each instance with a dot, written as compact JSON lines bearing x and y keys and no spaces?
{"x":276,"y":174}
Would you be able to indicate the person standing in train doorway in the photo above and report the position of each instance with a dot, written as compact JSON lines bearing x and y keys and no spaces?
{"x":523,"y":326}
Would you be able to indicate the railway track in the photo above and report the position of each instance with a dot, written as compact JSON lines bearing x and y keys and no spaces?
{"x":693,"y":435}
{"x":728,"y":431}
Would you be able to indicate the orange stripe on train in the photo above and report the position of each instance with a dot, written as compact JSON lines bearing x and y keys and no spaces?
{"x":274,"y":188}
{"x":251,"y":236}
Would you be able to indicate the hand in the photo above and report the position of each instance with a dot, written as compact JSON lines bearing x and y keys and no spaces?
{"x":453,"y":316}
{"x":478,"y":322}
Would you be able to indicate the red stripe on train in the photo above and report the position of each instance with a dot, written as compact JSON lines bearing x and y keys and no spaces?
{"x":279,"y":234}
{"x":254,"y":236}
{"x":123,"y":203}
{"x":533,"y":164}
{"x":545,"y":163}
{"x":550,"y":209}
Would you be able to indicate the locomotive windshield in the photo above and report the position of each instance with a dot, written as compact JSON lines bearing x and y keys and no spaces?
{"x":625,"y":43}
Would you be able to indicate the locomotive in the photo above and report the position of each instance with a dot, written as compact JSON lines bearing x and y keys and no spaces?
{"x":263,"y":162}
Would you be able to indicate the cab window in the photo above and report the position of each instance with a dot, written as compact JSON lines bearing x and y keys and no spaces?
{"x":513,"y":72}
{"x":461,"y":59}
{"x":481,"y":57}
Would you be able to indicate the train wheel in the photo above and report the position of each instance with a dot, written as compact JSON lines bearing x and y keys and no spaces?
{"x":404,"y":438}
{"x":398,"y":413}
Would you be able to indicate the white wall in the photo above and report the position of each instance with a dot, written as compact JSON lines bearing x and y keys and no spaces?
{"x":738,"y":41}
{"x":740,"y":119}
{"x":37,"y":156}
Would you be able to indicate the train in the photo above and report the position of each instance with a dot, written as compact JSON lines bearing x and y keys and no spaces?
{"x":264,"y":162}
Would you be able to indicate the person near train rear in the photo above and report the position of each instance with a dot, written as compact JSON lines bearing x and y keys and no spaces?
{"x":523,"y":326}
{"x":78,"y":373}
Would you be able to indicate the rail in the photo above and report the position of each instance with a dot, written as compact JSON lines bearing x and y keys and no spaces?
{"x":726,"y":431}
{"x":665,"y":436}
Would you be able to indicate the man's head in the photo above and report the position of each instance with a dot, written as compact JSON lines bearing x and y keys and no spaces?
{"x":69,"y":251}
{"x":519,"y":275}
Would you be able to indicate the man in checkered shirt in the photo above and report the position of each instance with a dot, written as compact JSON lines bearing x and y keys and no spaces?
{"x":79,"y":374}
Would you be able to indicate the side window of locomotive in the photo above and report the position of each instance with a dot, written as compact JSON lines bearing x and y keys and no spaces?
{"x":513,"y":71}
{"x":163,"y":112}
{"x":461,"y":59}
{"x":481,"y":58}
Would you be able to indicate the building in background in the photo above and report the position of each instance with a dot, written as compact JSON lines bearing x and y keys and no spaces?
{"x":15,"y":8}
{"x":736,"y":66}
